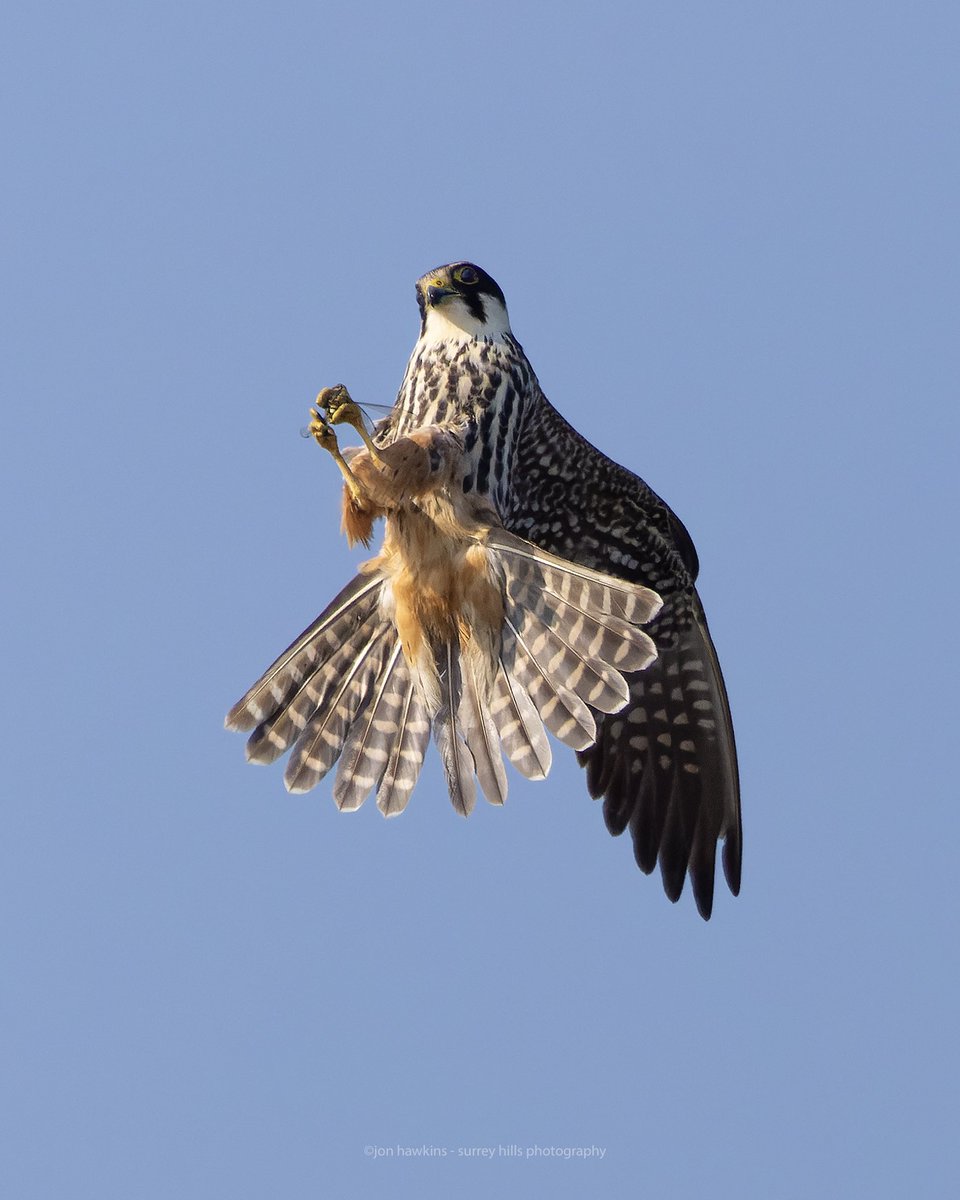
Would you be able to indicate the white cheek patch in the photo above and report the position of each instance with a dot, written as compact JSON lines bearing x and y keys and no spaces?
{"x":452,"y":321}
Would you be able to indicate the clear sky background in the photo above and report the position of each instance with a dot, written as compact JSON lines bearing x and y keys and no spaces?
{"x":728,"y":236}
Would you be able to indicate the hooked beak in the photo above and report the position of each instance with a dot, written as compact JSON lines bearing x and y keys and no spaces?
{"x":437,"y":292}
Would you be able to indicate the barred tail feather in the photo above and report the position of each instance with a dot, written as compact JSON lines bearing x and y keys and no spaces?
{"x":596,"y":636}
{"x":562,"y":711}
{"x":344,"y":689}
{"x":409,"y":746}
{"x":319,"y":746}
{"x":480,"y":734}
{"x":307,"y":654}
{"x":315,"y":694}
{"x":591,"y":591}
{"x":522,"y":734}
{"x":599,"y":685}
{"x":569,"y":634}
{"x":458,"y":763}
{"x":366,"y":751}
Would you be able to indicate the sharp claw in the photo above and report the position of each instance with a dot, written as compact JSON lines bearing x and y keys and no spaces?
{"x":323,"y":433}
{"x":345,"y":413}
{"x":330,"y":397}
{"x":321,"y":427}
{"x":342,"y":410}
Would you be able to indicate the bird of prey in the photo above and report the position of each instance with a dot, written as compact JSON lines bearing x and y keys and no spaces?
{"x":518,"y":565}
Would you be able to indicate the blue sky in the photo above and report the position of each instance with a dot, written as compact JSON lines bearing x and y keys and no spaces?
{"x":727,"y":234}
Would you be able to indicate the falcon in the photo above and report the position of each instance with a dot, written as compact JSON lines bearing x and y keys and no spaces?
{"x":518,"y":566}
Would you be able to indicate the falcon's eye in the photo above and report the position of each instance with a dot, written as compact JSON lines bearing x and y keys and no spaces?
{"x":466,"y":275}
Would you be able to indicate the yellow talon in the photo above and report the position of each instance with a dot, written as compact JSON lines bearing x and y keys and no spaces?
{"x":342,"y":410}
{"x":326,"y":438}
{"x":321,"y":430}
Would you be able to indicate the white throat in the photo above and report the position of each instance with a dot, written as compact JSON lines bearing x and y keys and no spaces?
{"x":452,"y":321}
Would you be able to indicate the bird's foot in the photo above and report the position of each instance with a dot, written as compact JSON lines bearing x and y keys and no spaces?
{"x":339,"y":406}
{"x":322,"y":431}
{"x":341,"y":409}
{"x":325,"y":436}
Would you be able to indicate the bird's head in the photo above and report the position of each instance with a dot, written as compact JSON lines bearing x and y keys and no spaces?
{"x":460,"y":301}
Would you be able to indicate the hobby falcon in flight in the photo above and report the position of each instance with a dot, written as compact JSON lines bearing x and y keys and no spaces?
{"x":518,"y":566}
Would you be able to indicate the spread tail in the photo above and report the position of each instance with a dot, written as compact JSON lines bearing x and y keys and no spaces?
{"x":344,"y":690}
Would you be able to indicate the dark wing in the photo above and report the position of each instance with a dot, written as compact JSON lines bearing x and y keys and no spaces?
{"x":666,"y":765}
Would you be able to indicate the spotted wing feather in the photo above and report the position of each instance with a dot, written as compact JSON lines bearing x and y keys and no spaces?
{"x":666,"y":763}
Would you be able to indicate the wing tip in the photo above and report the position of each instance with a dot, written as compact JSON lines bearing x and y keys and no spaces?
{"x":673,"y":879}
{"x":702,"y":883}
{"x":732,"y":858}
